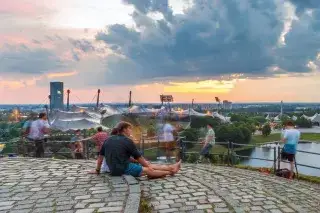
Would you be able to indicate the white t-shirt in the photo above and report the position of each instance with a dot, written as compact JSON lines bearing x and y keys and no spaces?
{"x":36,"y":129}
{"x":168,"y":133}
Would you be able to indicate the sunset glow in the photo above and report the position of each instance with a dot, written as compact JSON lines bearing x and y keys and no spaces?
{"x":152,"y":49}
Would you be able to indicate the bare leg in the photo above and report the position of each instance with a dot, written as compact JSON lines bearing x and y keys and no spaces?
{"x":154,"y":173}
{"x":172,"y":167}
{"x":291,"y":169}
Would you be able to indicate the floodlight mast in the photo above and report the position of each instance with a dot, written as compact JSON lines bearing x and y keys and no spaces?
{"x":68,"y":100}
{"x":130,"y":100}
{"x":98,"y":98}
{"x":219,"y":102}
{"x":166,"y":99}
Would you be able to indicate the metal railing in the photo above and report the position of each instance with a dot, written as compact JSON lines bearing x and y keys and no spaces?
{"x":152,"y":147}
{"x":52,"y":147}
{"x":230,"y":153}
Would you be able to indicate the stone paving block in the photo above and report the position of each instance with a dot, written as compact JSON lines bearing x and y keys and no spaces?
{"x":207,"y":206}
{"x":287,"y":210}
{"x":85,"y":211}
{"x":111,"y":209}
{"x":5,"y":208}
{"x":44,"y":185}
{"x":7,"y":203}
{"x":168,"y":210}
{"x":221,"y":210}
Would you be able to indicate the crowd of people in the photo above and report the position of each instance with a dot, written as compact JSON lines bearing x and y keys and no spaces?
{"x":118,"y":154}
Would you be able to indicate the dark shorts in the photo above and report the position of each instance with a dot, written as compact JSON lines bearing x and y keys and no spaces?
{"x":206,"y":150}
{"x":78,"y":155}
{"x":287,"y":156}
{"x":134,"y":170}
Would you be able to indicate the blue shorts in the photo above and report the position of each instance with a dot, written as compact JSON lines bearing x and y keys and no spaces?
{"x":134,"y":170}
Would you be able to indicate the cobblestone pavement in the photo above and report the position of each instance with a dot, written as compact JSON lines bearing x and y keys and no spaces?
{"x":34,"y":185}
{"x":223,"y":189}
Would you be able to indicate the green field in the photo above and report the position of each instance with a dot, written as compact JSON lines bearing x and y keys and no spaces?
{"x":257,"y":139}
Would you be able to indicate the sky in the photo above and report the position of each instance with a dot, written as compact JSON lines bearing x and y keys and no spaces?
{"x":238,"y":50}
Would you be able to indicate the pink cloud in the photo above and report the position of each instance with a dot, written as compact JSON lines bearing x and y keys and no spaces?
{"x":18,"y":7}
{"x":14,"y":39}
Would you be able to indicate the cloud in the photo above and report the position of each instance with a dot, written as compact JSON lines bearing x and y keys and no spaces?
{"x":146,"y":6}
{"x":302,"y":5}
{"x":212,"y":38}
{"x":23,"y":60}
{"x":61,"y":74}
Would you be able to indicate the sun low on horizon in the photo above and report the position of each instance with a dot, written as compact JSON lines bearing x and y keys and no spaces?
{"x":240,"y":50}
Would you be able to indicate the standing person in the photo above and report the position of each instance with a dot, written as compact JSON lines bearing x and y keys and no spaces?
{"x":77,"y":148}
{"x":291,"y":138}
{"x":38,"y":129}
{"x":25,"y":131}
{"x":168,"y":139}
{"x":123,"y":157}
{"x":27,"y":125}
{"x":208,"y":143}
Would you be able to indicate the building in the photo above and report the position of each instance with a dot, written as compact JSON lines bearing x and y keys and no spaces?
{"x":56,"y":95}
{"x":227,"y":104}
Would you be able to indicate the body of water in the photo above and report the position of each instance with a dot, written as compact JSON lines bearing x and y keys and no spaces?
{"x":301,"y":158}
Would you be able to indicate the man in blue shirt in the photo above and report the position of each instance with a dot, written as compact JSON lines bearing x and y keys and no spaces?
{"x":291,"y":137}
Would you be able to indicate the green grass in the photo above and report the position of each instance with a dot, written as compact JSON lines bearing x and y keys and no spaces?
{"x":257,"y":139}
{"x":145,"y":206}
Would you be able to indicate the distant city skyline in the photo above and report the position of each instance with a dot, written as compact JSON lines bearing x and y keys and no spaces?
{"x":238,"y":50}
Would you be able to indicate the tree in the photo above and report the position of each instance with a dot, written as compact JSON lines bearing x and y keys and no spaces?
{"x":259,"y":119}
{"x":191,"y":135}
{"x":237,"y":134}
{"x":303,"y":123}
{"x":238,"y":118}
{"x":151,"y":131}
{"x":266,"y":130}
{"x":247,"y":134}
{"x":200,"y":122}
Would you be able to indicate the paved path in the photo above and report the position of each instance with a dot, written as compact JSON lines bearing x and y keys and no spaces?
{"x":32,"y":185}
{"x":223,"y":189}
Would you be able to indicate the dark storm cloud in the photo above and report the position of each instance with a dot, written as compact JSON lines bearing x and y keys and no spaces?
{"x":211,"y":39}
{"x":83,"y":45}
{"x":19,"y":59}
{"x":302,"y":5}
{"x":145,"y":6}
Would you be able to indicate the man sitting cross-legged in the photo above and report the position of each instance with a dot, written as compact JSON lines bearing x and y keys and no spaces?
{"x":123,"y":157}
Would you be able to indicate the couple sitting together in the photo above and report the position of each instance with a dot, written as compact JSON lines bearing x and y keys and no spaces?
{"x":123,"y":157}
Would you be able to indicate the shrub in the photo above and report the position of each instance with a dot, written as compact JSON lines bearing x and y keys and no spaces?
{"x":266,"y":130}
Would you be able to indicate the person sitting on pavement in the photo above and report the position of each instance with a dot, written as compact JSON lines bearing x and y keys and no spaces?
{"x":77,"y":146}
{"x":123,"y":157}
{"x":99,"y":138}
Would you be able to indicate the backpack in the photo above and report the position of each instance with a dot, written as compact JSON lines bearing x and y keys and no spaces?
{"x":284,"y":173}
{"x":27,"y":128}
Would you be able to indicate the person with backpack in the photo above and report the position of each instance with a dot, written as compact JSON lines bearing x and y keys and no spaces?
{"x":38,"y":129}
{"x":26,"y":126}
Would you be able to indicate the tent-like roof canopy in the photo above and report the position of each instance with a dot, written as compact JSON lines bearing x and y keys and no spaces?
{"x":65,"y":125}
{"x":64,"y":115}
{"x":316,"y":118}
